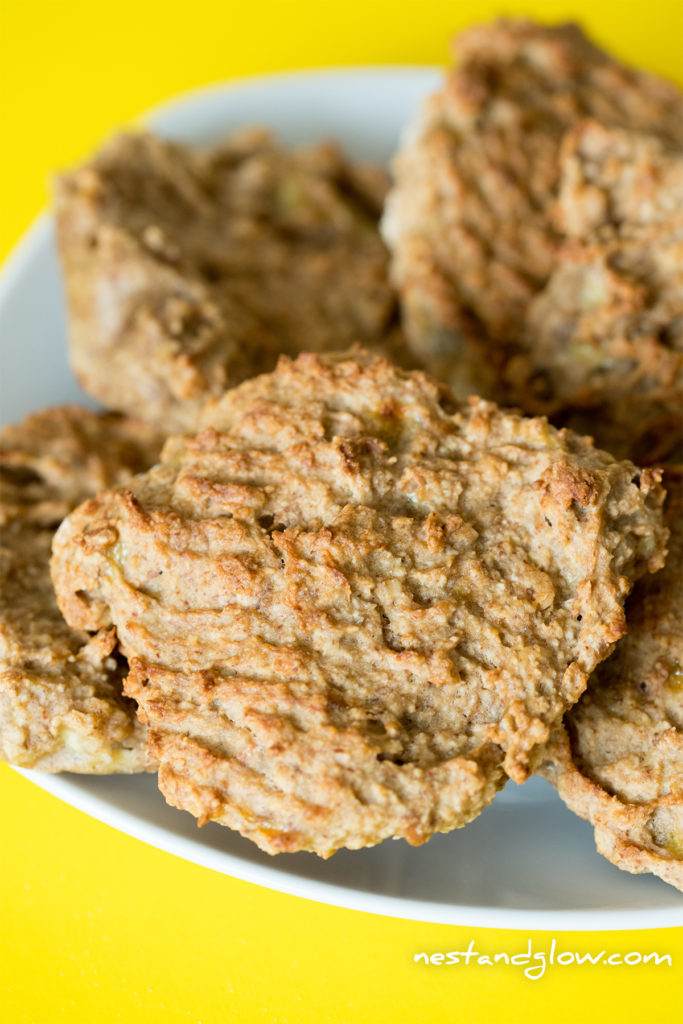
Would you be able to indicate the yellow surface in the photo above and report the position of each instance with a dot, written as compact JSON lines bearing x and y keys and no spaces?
{"x":96,"y":927}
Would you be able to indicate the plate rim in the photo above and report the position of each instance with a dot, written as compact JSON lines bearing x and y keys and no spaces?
{"x":29,"y":244}
{"x":332,"y":894}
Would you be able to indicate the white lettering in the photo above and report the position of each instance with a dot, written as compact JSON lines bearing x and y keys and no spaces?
{"x":539,"y":968}
{"x":581,"y":959}
{"x":657,"y":958}
{"x":522,"y":958}
{"x":536,"y":963}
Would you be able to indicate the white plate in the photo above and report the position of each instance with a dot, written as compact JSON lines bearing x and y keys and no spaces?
{"x":527,"y":862}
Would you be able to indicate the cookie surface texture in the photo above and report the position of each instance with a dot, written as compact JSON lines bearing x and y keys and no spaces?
{"x":618,"y":759}
{"x":350,"y":603}
{"x":61,"y":691}
{"x":605,"y":335}
{"x":469,"y":218}
{"x":187,"y":271}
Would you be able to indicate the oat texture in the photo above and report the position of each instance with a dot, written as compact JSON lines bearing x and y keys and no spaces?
{"x":618,"y":758}
{"x":188,"y":271}
{"x":351,"y":603}
{"x":61,"y":699}
{"x":469,"y":219}
{"x":604,"y":340}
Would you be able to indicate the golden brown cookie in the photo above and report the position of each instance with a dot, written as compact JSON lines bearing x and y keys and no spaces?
{"x":618,"y":758}
{"x":604,"y":339}
{"x":469,"y":220}
{"x":61,"y":692}
{"x":188,"y":271}
{"x":350,"y":602}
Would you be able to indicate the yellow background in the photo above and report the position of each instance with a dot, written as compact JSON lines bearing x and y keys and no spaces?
{"x":96,"y":927}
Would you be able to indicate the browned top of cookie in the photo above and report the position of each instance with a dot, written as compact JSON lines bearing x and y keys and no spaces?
{"x":616,"y":179}
{"x":619,"y":762}
{"x":188,"y":271}
{"x":468,"y":220}
{"x":347,"y":593}
{"x":55,"y":459}
{"x":61,"y":692}
{"x":604,"y":340}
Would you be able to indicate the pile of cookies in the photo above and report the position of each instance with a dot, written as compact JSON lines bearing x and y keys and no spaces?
{"x":343,"y":560}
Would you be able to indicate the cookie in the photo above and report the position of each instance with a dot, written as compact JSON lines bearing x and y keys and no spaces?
{"x":188,"y":271}
{"x":61,"y":691}
{"x":618,"y":758}
{"x":469,"y":218}
{"x":350,"y":604}
{"x":603,"y":349}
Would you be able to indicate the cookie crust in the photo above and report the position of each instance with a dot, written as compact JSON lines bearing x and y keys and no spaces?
{"x":604,"y":339}
{"x":469,"y":220}
{"x":618,"y":758}
{"x":61,"y":691}
{"x":188,"y":271}
{"x":350,"y":603}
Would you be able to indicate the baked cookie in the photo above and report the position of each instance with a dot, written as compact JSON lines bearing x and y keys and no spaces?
{"x":189,"y":271}
{"x":603,"y":349}
{"x":468,"y":220}
{"x":350,"y":603}
{"x":618,"y":758}
{"x":61,"y":692}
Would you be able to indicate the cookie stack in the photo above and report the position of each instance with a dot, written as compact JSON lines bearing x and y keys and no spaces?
{"x":348,"y":600}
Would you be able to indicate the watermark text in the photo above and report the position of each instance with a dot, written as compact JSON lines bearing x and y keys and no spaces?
{"x":536,"y":961}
